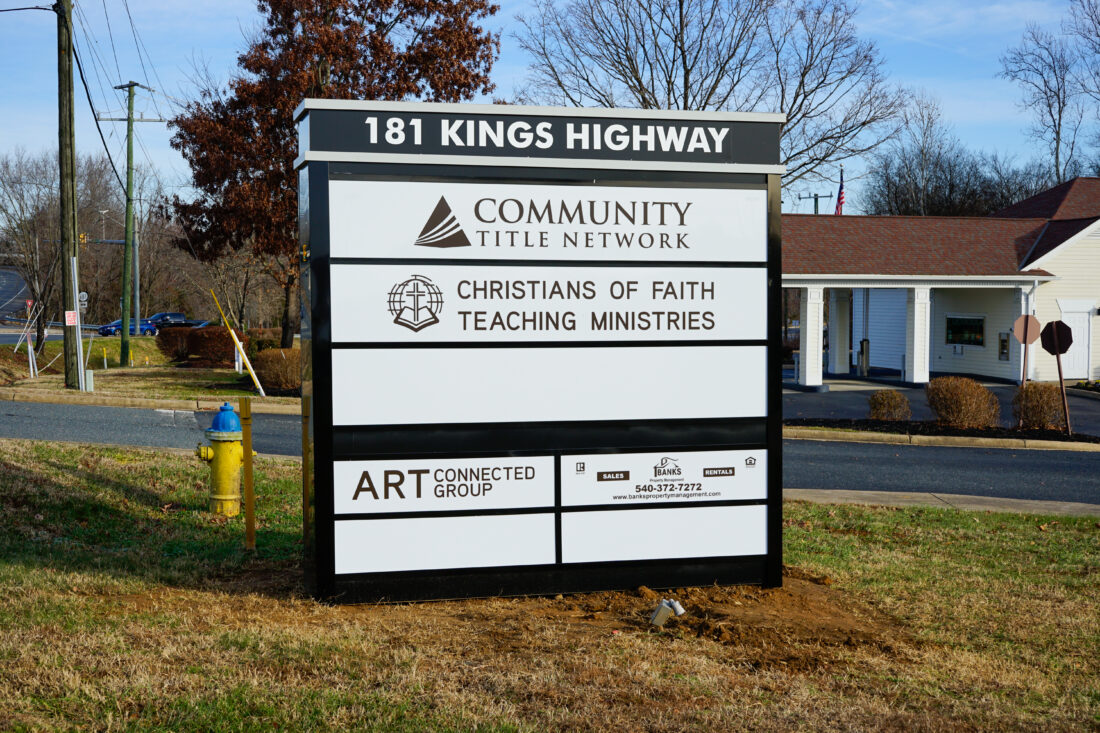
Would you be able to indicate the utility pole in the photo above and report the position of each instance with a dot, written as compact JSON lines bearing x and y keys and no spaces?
{"x":815,"y":197}
{"x":67,"y":188}
{"x":130,"y":269}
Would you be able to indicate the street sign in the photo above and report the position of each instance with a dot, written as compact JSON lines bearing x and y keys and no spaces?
{"x":70,"y":318}
{"x":82,"y":297}
{"x":1057,"y":338}
{"x":29,"y":303}
{"x":540,"y":349}
{"x":1026,"y":329}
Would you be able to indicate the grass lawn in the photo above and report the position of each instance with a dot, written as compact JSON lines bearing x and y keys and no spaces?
{"x":152,"y":377}
{"x":125,"y":605}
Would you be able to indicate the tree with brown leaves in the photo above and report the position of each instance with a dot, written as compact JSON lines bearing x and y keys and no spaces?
{"x":240,"y":140}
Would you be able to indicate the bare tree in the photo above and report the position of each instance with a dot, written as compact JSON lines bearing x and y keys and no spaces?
{"x":1083,"y":26}
{"x":669,"y":54}
{"x":829,"y":83}
{"x":29,"y":234}
{"x":1046,"y":67}
{"x":28,"y":228}
{"x":802,"y":59}
{"x":926,"y":171}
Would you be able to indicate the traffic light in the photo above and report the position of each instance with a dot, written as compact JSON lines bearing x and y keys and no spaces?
{"x":84,"y":237}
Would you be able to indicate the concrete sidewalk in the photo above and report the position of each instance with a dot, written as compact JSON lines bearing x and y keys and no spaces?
{"x":943,"y":501}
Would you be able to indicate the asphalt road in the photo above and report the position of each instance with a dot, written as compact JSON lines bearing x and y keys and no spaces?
{"x":279,"y":434}
{"x":1042,"y":475}
{"x":1001,"y":473}
{"x":13,"y":292}
{"x":11,"y":339}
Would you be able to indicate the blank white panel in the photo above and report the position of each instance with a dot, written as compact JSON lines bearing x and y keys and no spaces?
{"x":658,"y":534}
{"x":417,"y":386}
{"x":386,"y":545}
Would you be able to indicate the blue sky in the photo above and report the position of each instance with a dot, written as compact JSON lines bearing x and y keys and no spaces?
{"x":948,"y":48}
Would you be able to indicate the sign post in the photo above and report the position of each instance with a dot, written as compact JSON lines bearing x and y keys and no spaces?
{"x":1026,"y":331}
{"x":1057,"y":337}
{"x":540,"y":349}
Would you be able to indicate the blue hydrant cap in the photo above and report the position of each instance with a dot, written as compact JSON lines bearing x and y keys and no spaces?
{"x":226,"y":421}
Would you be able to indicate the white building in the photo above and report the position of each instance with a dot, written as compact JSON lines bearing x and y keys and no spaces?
{"x":939,"y":295}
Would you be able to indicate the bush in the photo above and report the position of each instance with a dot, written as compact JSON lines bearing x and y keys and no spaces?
{"x":279,"y":370}
{"x":1038,"y":406}
{"x":213,"y":346}
{"x":262,"y":339}
{"x":962,"y":403}
{"x":172,"y":342}
{"x":889,"y":404}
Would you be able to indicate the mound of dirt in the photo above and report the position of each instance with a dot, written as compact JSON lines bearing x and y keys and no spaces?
{"x":787,"y":626}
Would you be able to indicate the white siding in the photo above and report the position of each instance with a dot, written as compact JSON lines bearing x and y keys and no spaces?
{"x":1000,"y":307}
{"x":1078,"y":270}
{"x":886,"y":322}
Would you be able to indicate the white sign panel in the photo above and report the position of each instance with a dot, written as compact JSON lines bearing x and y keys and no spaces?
{"x":442,"y":484}
{"x":472,"y":385}
{"x":656,"y":534}
{"x":534,"y":222}
{"x":656,"y":478}
{"x":388,"y":545}
{"x":402,"y":303}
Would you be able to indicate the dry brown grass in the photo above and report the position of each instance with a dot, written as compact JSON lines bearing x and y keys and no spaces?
{"x":124,"y":605}
{"x":163,"y":382}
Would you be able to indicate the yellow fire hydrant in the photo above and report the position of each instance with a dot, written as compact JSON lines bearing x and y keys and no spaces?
{"x":224,"y":455}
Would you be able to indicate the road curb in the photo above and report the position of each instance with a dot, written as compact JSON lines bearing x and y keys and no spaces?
{"x":53,"y":398}
{"x":1088,"y":394}
{"x":953,"y":441}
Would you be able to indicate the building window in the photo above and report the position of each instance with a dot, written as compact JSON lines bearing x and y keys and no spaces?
{"x":966,"y":330}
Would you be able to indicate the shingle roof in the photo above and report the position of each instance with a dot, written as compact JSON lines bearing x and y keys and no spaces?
{"x":1055,"y":233}
{"x":907,"y":245}
{"x":1077,"y":198}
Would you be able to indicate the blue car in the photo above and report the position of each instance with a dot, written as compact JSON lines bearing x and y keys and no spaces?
{"x":148,"y":328}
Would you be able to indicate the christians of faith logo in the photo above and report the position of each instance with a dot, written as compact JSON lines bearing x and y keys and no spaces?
{"x":442,"y":229}
{"x":415,"y":303}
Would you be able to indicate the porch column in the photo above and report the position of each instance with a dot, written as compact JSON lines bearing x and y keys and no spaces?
{"x":918,"y":317}
{"x":1016,"y":350}
{"x":840,"y":320}
{"x":811,"y":320}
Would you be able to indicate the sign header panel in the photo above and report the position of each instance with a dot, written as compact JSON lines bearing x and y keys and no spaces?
{"x":439,"y":131}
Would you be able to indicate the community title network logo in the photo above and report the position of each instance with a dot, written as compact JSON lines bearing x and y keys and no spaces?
{"x":442,"y":229}
{"x":415,"y":303}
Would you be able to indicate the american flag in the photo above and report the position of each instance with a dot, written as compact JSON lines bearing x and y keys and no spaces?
{"x":840,"y":195}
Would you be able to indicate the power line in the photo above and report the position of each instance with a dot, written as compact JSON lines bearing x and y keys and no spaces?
{"x":111,"y":37}
{"x":29,"y":7}
{"x":88,"y":94}
{"x":97,"y":61}
{"x":140,"y":45}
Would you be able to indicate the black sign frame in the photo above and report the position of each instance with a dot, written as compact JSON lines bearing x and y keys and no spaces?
{"x":318,"y":166}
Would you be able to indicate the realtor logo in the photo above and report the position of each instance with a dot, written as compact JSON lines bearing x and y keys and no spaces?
{"x":442,"y":229}
{"x":667,"y":468}
{"x":415,"y":303}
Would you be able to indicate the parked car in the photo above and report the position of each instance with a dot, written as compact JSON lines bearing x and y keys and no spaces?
{"x":148,"y":328}
{"x":166,"y":319}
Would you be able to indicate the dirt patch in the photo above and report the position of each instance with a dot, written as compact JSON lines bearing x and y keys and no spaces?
{"x":792,"y":627}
